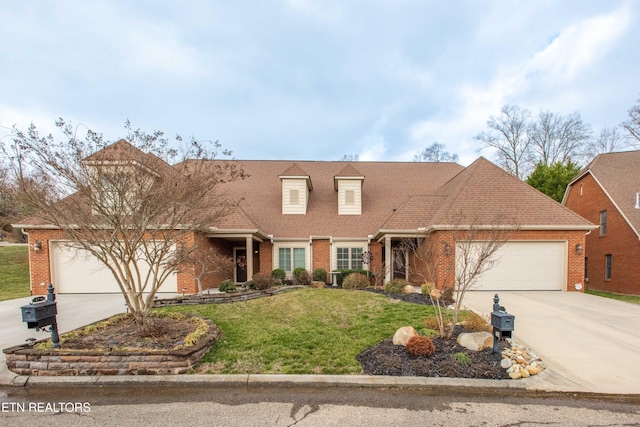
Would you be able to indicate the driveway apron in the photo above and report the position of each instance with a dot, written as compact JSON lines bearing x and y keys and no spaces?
{"x":589,"y":340}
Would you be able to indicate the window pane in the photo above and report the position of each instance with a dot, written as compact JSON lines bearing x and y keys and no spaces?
{"x":356,"y":258}
{"x":603,"y":223}
{"x":298,"y":258}
{"x":284,"y":259}
{"x":607,"y":266}
{"x":343,"y":258}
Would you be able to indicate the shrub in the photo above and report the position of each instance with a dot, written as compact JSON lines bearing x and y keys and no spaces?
{"x":263,"y":281}
{"x":320,"y":275}
{"x":395,"y":286}
{"x":356,"y":281}
{"x":279,"y":274}
{"x":447,"y":295}
{"x":249,"y":284}
{"x":227,"y":286}
{"x":420,"y":346}
{"x":461,"y":357}
{"x":344,"y":273}
{"x":475,"y":323}
{"x":427,"y":288}
{"x":301,"y":277}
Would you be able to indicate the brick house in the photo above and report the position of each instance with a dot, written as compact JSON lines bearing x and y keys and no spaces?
{"x":322,"y":214}
{"x":606,"y":193}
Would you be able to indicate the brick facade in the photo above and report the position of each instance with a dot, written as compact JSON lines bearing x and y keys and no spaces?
{"x":587,"y":198}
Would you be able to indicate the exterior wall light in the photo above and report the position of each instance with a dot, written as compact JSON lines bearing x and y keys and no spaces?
{"x":37,"y":246}
{"x":579,"y":249}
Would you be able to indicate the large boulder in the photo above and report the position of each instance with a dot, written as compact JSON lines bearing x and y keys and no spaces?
{"x":408,"y":289}
{"x":476,"y":341}
{"x":403,"y":335}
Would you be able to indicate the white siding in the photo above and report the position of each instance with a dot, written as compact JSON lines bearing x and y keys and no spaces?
{"x":299,"y":186}
{"x":351,"y":185}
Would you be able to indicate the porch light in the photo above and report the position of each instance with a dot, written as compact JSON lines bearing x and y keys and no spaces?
{"x":447,"y":248}
{"x":37,"y":246}
{"x":579,"y":249}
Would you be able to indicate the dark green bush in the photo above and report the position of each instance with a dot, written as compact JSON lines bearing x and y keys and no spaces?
{"x":263,"y":281}
{"x":227,"y":286}
{"x":356,"y":281}
{"x":320,"y":275}
{"x":279,"y":274}
{"x":395,"y":286}
{"x":249,"y":284}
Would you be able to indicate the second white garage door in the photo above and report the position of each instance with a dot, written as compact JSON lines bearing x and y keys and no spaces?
{"x":527,"y":266}
{"x":76,"y":271}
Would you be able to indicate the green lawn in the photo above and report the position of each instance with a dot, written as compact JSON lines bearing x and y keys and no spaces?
{"x":635,"y":299}
{"x":306,"y":331}
{"x":14,"y":272}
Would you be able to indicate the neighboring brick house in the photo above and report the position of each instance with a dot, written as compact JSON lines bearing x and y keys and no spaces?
{"x":606,"y":193}
{"x":321,"y":214}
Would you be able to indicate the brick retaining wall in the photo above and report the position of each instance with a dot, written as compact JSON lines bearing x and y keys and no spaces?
{"x":24,"y":360}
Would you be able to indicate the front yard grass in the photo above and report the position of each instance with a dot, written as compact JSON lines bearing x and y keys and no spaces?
{"x":306,"y":331}
{"x":635,"y":299}
{"x":14,"y":272}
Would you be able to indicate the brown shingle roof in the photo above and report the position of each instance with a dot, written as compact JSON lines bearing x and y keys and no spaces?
{"x":483,"y":192}
{"x":619,"y":176}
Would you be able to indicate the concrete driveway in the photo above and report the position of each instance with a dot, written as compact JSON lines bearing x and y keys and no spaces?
{"x":73,"y":311}
{"x":591,"y":341}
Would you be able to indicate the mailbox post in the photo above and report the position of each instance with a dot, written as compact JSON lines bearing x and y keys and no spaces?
{"x":41,"y":313}
{"x":502,"y":322}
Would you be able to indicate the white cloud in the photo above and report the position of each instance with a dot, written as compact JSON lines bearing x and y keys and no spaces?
{"x":376,"y":149}
{"x":580,"y":45}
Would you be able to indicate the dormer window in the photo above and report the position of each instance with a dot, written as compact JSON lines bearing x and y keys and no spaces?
{"x":296,"y":185}
{"x":348,"y":183}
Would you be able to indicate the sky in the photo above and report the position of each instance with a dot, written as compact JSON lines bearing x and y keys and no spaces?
{"x":315,"y":79}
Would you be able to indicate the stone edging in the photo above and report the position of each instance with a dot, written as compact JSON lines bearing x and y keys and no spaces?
{"x":221,"y":298}
{"x":24,"y":360}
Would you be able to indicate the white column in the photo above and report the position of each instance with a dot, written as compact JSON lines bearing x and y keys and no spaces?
{"x":249,"y":246}
{"x":388,"y":259}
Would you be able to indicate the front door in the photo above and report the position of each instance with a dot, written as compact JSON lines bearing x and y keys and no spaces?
{"x":240,"y":257}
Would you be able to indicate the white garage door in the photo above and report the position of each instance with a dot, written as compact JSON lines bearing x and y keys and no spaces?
{"x":527,"y":266}
{"x":76,"y":271}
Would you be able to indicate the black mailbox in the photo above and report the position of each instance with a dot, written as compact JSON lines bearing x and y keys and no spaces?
{"x":502,"y":321}
{"x":39,"y":314}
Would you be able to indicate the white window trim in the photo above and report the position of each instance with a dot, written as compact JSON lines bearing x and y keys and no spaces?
{"x":347,"y":244}
{"x":291,"y":245}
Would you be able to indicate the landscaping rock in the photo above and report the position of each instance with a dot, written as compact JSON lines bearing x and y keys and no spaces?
{"x":403,"y":335}
{"x":506,"y":363}
{"x":436,"y":294}
{"x":316,"y":284}
{"x":476,"y":341}
{"x":408,"y":289}
{"x":523,"y":363}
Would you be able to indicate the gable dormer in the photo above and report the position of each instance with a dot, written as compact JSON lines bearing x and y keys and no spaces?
{"x":296,"y":185}
{"x":348,"y":183}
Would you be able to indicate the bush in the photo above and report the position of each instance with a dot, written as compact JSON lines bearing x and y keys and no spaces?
{"x":302,"y":277}
{"x":279,"y":274}
{"x":249,"y":284}
{"x":356,"y":281}
{"x":475,"y":323}
{"x":344,"y":273}
{"x":427,"y":288}
{"x":227,"y":286}
{"x":447,"y":295}
{"x":263,"y":281}
{"x":420,"y":346}
{"x":320,"y":275}
{"x":395,"y":286}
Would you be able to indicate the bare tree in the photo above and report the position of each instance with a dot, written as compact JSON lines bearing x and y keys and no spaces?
{"x":608,"y":141}
{"x":554,"y":138}
{"x":435,"y":153}
{"x":127,"y":203}
{"x":632,"y":126}
{"x":508,"y":136}
{"x":203,"y":263}
{"x":350,"y":158}
{"x":476,"y":248}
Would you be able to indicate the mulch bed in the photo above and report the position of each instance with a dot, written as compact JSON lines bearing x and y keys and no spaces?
{"x":385,"y":358}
